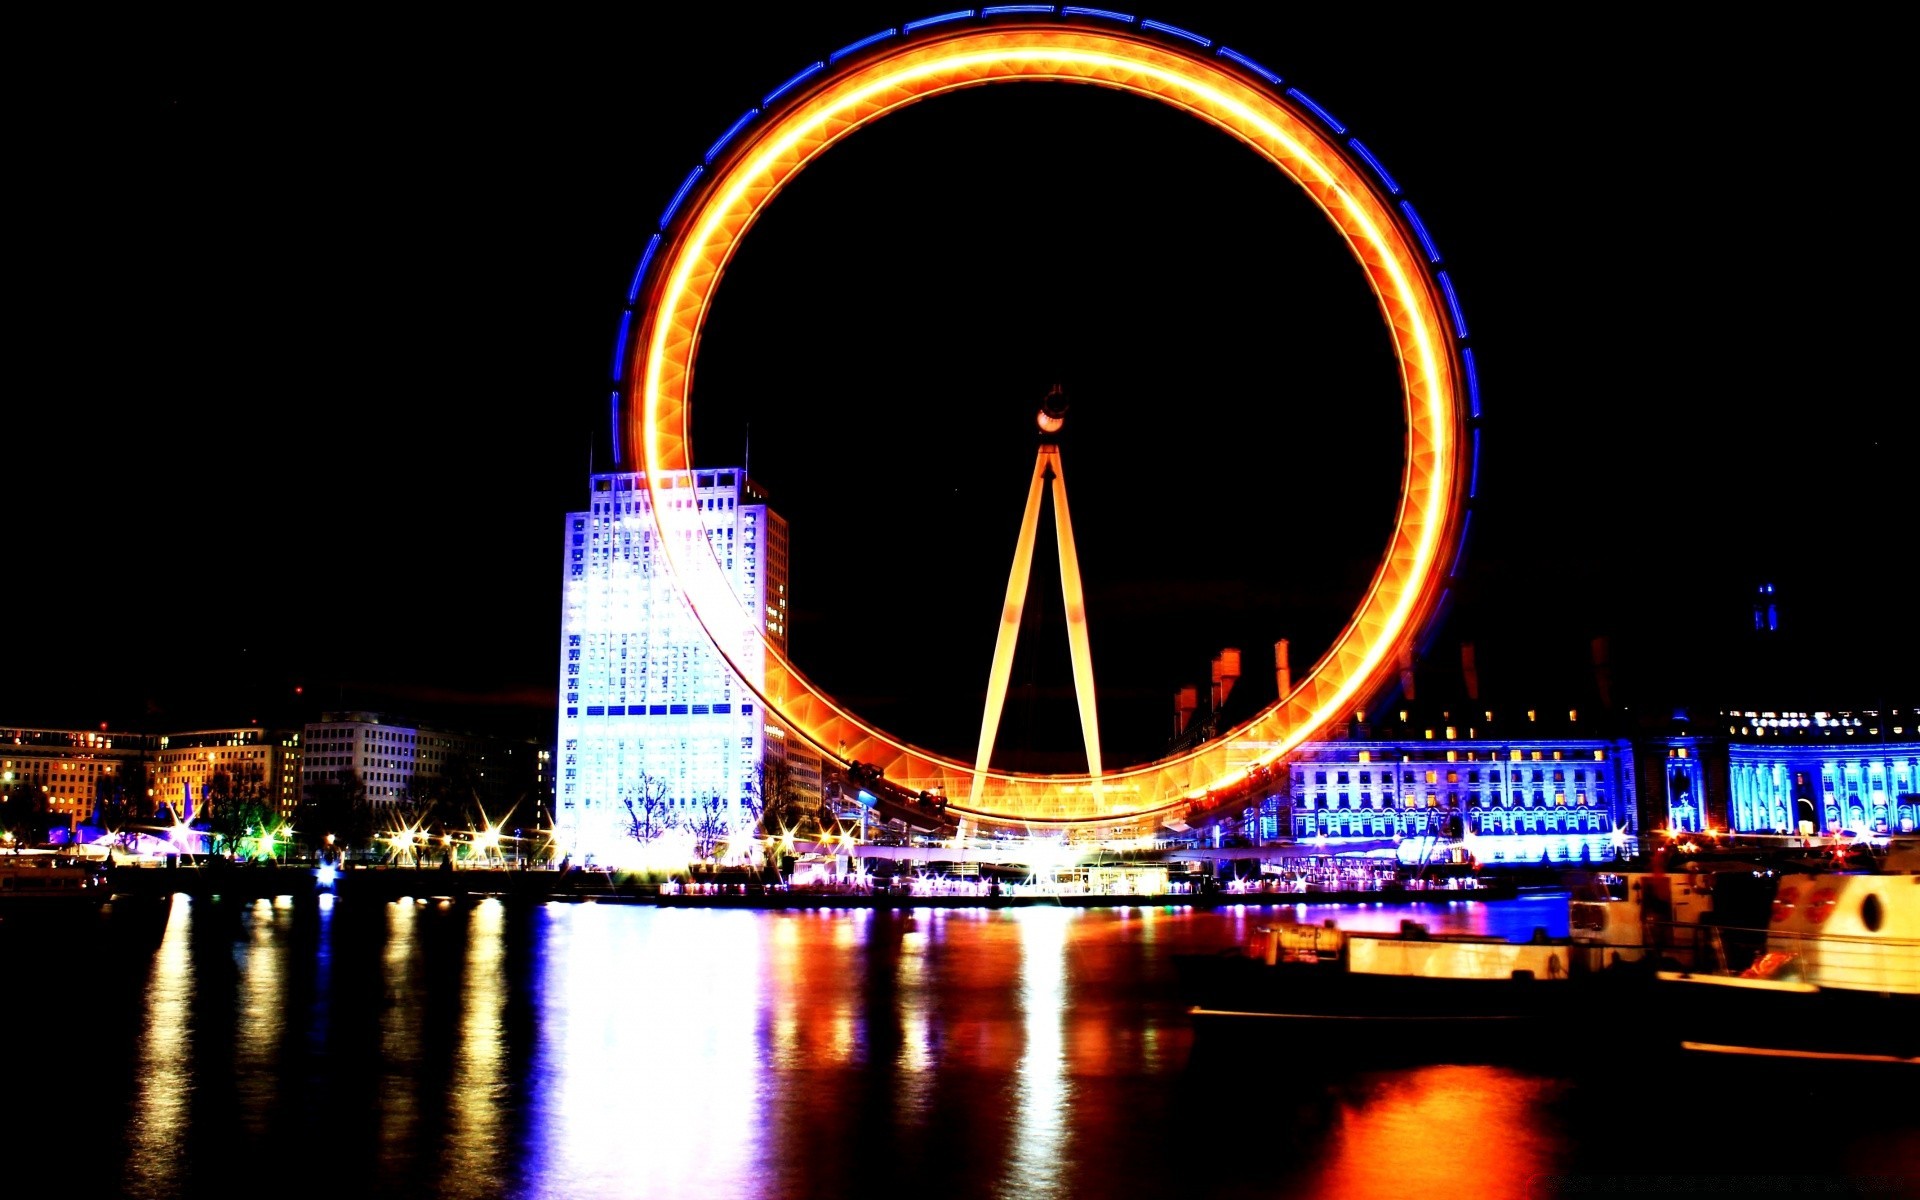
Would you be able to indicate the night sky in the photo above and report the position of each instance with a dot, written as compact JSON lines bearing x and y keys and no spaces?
{"x":315,"y":326}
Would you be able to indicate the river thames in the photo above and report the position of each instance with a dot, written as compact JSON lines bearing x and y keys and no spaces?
{"x":346,"y":1047}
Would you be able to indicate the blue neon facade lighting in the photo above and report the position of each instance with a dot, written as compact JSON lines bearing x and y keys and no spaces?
{"x":1473,"y":480}
{"x":782,"y":90}
{"x":1473,"y":384}
{"x":1373,"y":162}
{"x":862,"y":44}
{"x":1453,"y":303}
{"x":1176,"y":31}
{"x":1553,"y":799}
{"x":686,"y":185}
{"x":1108,"y":14}
{"x":1001,"y":9}
{"x":942,"y":19}
{"x":613,"y":407}
{"x":1322,"y":113}
{"x":1249,"y":64}
{"x":732,"y":129}
{"x":1420,"y":231}
{"x":640,"y":272}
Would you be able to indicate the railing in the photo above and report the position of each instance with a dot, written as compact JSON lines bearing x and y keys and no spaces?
{"x":1827,"y":960}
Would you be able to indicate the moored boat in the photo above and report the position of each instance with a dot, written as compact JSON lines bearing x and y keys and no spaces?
{"x":1455,"y":997}
{"x":31,"y":881}
{"x":1833,"y":977}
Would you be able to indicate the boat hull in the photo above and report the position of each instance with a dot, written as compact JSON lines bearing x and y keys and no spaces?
{"x":1754,"y":1019}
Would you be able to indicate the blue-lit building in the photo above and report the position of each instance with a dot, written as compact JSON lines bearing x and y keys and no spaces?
{"x":1563,"y":790}
{"x":1837,"y":770}
{"x":1526,"y":790}
{"x":651,"y":716}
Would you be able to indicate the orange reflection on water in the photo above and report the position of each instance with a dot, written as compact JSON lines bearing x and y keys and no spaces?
{"x":1437,"y":1132}
{"x":165,"y":1068}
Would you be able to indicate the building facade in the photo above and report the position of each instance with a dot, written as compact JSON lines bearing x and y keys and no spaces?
{"x":390,"y":761}
{"x":649,"y":711}
{"x":1554,"y":797}
{"x":1836,"y":771}
{"x":246,"y":763}
{"x":64,"y":774}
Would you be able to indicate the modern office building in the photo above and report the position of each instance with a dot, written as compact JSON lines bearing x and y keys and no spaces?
{"x":389,"y":761}
{"x":649,"y":710}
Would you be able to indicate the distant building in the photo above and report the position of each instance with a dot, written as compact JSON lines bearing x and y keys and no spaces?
{"x":390,"y":761}
{"x":254,"y":763}
{"x":70,"y":771}
{"x":1853,"y":770}
{"x":646,"y":700}
{"x":1521,"y":791}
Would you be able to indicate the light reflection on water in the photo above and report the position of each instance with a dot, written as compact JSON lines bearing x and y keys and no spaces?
{"x":589,"y":1050}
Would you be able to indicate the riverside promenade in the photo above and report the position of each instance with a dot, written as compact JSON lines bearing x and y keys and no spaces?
{"x":218,"y":878}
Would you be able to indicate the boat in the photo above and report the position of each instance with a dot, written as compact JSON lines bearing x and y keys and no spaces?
{"x":1832,"y":977}
{"x":31,"y":881}
{"x":1461,"y":997}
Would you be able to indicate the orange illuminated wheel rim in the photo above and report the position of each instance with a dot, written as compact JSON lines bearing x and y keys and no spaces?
{"x":831,"y":98}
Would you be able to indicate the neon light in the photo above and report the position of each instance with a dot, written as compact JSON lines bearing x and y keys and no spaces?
{"x":1373,"y":162}
{"x":1473,"y":481}
{"x":923,"y":22}
{"x":776,"y":93}
{"x":1461,"y":550}
{"x":620,"y":347}
{"x":1453,"y":302}
{"x":680,"y":195}
{"x":732,"y":129}
{"x":1249,"y":64}
{"x":640,"y":272}
{"x":1473,"y":384}
{"x":998,"y":9}
{"x":862,"y":44}
{"x":1176,"y":31}
{"x":1322,"y":113}
{"x":1420,"y":231}
{"x":1399,"y":602}
{"x":613,"y":398}
{"x":1097,"y":12}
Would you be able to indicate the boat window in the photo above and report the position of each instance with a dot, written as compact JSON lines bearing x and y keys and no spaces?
{"x":1871,"y":914}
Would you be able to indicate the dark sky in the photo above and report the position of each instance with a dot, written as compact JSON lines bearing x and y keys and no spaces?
{"x":313,"y":327}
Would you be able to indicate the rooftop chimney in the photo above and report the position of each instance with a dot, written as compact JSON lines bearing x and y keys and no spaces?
{"x":1470,"y":670}
{"x":1226,"y":673}
{"x":1406,"y":670}
{"x":1603,"y":671}
{"x":1184,"y":703}
{"x":1282,"y":670}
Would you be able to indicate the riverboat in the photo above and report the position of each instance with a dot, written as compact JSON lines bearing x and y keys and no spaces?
{"x":31,"y":881}
{"x":1443,"y":996}
{"x":1832,"y":977}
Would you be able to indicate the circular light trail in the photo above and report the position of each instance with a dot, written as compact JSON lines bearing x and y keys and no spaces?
{"x":716,"y":206}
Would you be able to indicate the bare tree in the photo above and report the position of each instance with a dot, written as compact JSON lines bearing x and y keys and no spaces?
{"x":649,"y":811}
{"x":708,"y":822}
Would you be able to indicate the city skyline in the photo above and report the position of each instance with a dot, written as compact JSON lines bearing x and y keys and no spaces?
{"x":376,"y":297}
